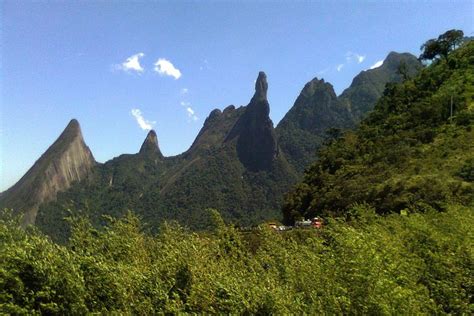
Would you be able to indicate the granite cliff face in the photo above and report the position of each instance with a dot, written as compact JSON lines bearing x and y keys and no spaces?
{"x":256,"y":140}
{"x":67,"y":160}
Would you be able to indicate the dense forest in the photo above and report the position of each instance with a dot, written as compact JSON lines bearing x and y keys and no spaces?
{"x":396,"y":195}
{"x":414,"y":152}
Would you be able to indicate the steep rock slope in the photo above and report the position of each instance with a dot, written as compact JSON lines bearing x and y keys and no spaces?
{"x":256,"y":140}
{"x":215,"y":130}
{"x":150,"y":146}
{"x":66,"y":161}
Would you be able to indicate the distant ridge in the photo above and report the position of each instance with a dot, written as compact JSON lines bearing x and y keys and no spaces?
{"x":317,"y":111}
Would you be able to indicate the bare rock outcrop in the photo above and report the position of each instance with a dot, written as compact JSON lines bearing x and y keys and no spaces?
{"x":150,"y":145}
{"x":256,"y":141}
{"x":66,"y":161}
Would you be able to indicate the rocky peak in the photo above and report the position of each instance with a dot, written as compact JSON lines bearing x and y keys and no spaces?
{"x":258,"y":109}
{"x":261,"y":87}
{"x":303,"y":129}
{"x":256,"y":140}
{"x":368,"y":86}
{"x":71,"y":132}
{"x":315,"y":109}
{"x":394,"y":58}
{"x":229,"y":109}
{"x":73,"y":127}
{"x":66,"y":161}
{"x":150,"y":145}
{"x":216,"y":126}
{"x":318,"y":87}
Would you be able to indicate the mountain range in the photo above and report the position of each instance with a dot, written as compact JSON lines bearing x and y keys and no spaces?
{"x":239,"y":163}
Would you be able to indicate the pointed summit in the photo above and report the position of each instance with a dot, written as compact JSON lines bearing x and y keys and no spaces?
{"x":150,"y":145}
{"x":368,"y":86}
{"x":67,"y":160}
{"x":302,"y":130}
{"x":72,"y":131}
{"x":315,"y":110}
{"x":256,"y":141}
{"x":258,"y":106}
{"x":318,"y":88}
{"x":261,"y":87}
{"x":73,"y":125}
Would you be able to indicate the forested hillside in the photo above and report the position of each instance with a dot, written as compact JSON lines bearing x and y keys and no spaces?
{"x":414,"y":152}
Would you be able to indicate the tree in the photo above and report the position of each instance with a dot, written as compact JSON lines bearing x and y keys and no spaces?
{"x":442,"y":46}
{"x":403,"y":70}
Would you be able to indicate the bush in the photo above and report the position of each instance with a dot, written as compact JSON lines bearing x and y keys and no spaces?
{"x":369,"y":264}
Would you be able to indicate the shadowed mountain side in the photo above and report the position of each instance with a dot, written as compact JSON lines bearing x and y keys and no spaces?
{"x":256,"y":140}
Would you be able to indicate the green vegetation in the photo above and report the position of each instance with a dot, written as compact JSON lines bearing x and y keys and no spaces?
{"x":442,"y":46}
{"x":371,"y":264}
{"x":414,"y":151}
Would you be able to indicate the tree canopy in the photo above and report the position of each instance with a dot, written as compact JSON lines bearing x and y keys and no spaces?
{"x":442,"y":46}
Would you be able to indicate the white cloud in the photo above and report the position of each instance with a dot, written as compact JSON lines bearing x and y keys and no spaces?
{"x":350,"y":56}
{"x":184,"y":91}
{"x":189,"y":110}
{"x":322,"y":72}
{"x":191,"y":114}
{"x":165,"y":68}
{"x":377,"y":64}
{"x":142,"y":122}
{"x":132,"y":64}
{"x":339,"y":67}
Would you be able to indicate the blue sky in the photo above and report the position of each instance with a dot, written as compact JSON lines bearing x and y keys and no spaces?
{"x":168,"y":64}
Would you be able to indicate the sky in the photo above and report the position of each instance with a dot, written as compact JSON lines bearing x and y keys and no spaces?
{"x":123,"y":67}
